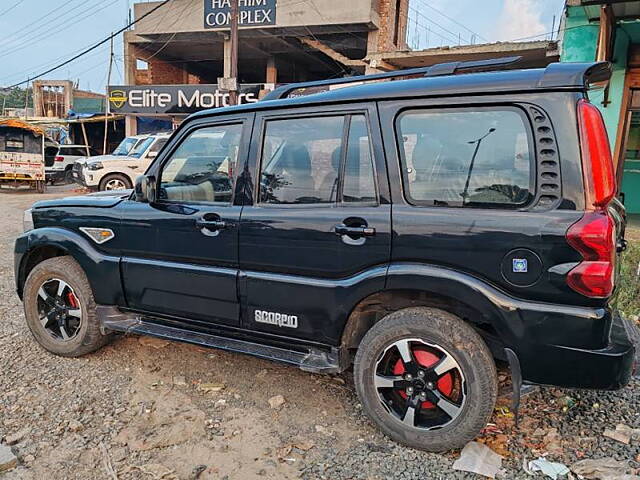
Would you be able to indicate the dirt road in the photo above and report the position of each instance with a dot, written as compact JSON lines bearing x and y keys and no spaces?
{"x":148,"y":409}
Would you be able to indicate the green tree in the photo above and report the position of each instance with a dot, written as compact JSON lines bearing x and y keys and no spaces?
{"x":15,"y":98}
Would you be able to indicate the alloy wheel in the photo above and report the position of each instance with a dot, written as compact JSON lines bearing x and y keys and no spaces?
{"x":420,"y":384}
{"x":59,"y":309}
{"x":115,"y":184}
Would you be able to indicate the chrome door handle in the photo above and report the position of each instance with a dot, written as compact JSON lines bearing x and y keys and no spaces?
{"x":343,"y":229}
{"x":211,"y":224}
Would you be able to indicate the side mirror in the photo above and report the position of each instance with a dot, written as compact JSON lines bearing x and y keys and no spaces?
{"x":144,"y":188}
{"x":152,"y":154}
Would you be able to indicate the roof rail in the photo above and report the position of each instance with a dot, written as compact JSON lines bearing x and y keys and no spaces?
{"x":430,"y":71}
{"x":574,"y":74}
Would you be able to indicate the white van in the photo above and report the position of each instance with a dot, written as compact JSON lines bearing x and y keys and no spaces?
{"x":113,"y":172}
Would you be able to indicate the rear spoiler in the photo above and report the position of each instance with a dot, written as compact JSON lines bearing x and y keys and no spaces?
{"x":580,"y":75}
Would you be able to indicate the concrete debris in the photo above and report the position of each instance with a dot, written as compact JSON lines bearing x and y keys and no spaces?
{"x":277,"y":401}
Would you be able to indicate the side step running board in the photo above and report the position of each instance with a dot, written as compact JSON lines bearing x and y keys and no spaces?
{"x":311,"y":360}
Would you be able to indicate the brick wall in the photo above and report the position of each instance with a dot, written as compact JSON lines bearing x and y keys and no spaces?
{"x":393,"y":25}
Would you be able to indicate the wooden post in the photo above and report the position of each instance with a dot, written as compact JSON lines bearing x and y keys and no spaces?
{"x":84,"y":134}
{"x":106,"y":113}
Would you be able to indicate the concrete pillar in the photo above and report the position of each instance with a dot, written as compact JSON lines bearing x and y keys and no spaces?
{"x":272,"y":71}
{"x":130,"y":125}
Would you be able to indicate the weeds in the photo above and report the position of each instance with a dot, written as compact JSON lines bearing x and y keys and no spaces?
{"x":628,"y":291}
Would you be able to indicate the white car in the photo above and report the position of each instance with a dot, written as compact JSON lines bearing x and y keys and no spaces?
{"x":113,"y":172}
{"x":61,"y":166}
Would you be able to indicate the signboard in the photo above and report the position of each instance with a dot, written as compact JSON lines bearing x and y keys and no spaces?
{"x":217,"y":13}
{"x":175,"y":99}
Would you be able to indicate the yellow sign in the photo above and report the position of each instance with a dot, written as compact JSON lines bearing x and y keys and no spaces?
{"x":118,"y":98}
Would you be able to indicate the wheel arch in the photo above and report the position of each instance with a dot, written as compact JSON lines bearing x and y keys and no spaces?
{"x":102,"y":271}
{"x":371,"y":309}
{"x":492,"y":313}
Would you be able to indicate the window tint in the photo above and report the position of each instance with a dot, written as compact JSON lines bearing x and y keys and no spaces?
{"x":73,"y":151}
{"x":202,"y":167}
{"x":156,"y":147}
{"x":302,"y":159}
{"x":359,"y":180}
{"x":466,"y":158}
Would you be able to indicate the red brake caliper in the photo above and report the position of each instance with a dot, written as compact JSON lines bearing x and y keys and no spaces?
{"x":73,"y":301}
{"x":426,"y":359}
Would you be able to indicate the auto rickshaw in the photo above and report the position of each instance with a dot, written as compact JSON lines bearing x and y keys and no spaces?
{"x":25,"y":149}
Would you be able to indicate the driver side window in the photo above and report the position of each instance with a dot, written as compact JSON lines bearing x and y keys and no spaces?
{"x":201,"y":169}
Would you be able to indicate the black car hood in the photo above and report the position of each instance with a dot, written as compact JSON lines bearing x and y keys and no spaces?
{"x":99,"y":199}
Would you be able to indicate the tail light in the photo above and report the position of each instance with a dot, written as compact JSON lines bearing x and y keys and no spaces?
{"x":59,"y":159}
{"x":594,"y":237}
{"x":597,"y":164}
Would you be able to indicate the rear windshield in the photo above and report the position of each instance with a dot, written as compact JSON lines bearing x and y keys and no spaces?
{"x":466,"y":157}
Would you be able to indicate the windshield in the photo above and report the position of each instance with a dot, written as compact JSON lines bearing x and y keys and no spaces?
{"x":141,"y":147}
{"x":125,"y":146}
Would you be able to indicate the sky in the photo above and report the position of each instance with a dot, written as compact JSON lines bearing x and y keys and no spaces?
{"x":37,"y":34}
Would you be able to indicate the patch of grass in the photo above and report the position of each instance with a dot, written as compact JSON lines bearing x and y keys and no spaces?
{"x":628,"y":291}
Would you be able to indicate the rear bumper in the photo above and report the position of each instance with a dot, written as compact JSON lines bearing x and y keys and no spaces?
{"x":54,"y":175}
{"x":607,"y":368}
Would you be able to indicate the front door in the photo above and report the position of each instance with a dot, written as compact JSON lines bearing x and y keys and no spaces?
{"x":317,"y":235}
{"x":181,"y":257}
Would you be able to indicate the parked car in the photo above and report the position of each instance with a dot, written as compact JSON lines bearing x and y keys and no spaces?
{"x":418,"y":230}
{"x":122,"y":150}
{"x":120,"y":172}
{"x":61,"y":166}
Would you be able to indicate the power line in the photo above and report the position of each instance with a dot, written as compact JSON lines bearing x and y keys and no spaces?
{"x":451,"y":37}
{"x":34,"y":40}
{"x":35,"y":21}
{"x":423,"y":2}
{"x":90,"y":49}
{"x":11,"y":7}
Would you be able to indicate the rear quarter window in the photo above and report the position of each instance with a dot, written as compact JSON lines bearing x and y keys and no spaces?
{"x":466,"y":157}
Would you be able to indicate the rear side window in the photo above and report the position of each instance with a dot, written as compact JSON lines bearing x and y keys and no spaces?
{"x":465,"y":157}
{"x":317,"y":160}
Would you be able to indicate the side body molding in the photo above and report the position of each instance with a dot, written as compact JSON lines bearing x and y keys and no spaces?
{"x":103,"y":270}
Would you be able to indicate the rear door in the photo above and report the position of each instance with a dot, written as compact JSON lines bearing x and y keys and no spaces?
{"x":317,"y":232}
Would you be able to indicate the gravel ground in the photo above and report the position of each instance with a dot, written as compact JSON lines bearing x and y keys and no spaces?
{"x":148,"y":409}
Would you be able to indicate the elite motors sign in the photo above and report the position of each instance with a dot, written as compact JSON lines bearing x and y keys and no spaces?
{"x":217,"y":13}
{"x":175,"y":99}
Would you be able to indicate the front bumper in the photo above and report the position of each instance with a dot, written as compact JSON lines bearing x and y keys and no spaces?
{"x":77,"y":174}
{"x":606,"y":368}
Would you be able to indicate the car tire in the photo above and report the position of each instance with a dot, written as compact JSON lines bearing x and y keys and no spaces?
{"x":68,"y":175}
{"x":115,"y":180}
{"x":422,"y":410}
{"x":80,"y":324}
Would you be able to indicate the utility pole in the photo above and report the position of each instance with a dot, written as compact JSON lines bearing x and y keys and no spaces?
{"x":26,"y":98}
{"x":106,"y":113}
{"x":233,"y":91}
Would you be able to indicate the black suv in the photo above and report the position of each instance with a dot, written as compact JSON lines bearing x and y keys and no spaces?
{"x":418,"y":229}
